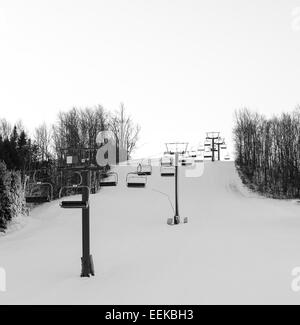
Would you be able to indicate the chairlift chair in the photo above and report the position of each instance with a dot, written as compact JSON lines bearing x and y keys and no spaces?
{"x":186,"y":161}
{"x":207,"y":143}
{"x":73,"y":204}
{"x":193,"y":154}
{"x":166,"y":161}
{"x":133,"y":179}
{"x":144,"y":170}
{"x":181,"y":159}
{"x":110,"y":179}
{"x":38,"y":199}
{"x":208,"y":155}
{"x":167,"y":171}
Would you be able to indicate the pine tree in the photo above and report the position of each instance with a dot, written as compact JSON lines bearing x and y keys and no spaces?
{"x":5,"y":197}
{"x":14,"y":157}
{"x":17,"y":195}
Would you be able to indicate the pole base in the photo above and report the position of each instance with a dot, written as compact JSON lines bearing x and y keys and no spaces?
{"x":87,"y":267}
{"x":176,"y":221}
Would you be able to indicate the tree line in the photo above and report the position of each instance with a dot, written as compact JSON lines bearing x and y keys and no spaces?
{"x":268,"y":152}
{"x":12,"y":200}
{"x":22,"y":152}
{"x":76,"y":128}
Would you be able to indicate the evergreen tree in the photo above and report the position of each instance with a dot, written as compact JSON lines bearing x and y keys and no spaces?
{"x":5,"y":201}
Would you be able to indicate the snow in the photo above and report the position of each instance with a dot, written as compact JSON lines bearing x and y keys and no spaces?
{"x":238,"y":247}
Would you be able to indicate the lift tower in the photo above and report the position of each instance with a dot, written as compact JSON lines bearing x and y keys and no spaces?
{"x":213,"y":137}
{"x":176,"y":148}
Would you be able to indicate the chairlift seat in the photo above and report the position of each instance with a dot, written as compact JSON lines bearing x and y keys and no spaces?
{"x":74,"y":204}
{"x":166,"y":164}
{"x":144,"y":170}
{"x":136,"y":184}
{"x":167,"y":172}
{"x":147,"y":173}
{"x":166,"y":161}
{"x":108,"y":184}
{"x":135,"y":180}
{"x":37,"y":199}
{"x":186,"y":162}
{"x":110,"y":180}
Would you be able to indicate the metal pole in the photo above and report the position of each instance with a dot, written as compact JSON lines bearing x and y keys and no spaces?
{"x":117,"y":152}
{"x":86,"y":260}
{"x":176,"y":217}
{"x":213,"y":149}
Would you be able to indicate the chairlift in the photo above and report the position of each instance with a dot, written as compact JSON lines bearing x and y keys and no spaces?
{"x":166,"y":161}
{"x":39,"y":198}
{"x":73,"y":204}
{"x":144,"y":170}
{"x":133,"y":179}
{"x":187,"y":161}
{"x":110,"y":179}
{"x":181,"y":159}
{"x":207,"y":143}
{"x":193,"y":154}
{"x":167,"y":171}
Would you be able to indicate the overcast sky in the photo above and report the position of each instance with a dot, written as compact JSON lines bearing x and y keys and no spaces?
{"x":180,"y":66}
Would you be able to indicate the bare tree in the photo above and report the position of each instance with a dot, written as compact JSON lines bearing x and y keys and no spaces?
{"x":66,"y":132}
{"x":5,"y":128}
{"x":78,"y":128}
{"x":126,"y":132}
{"x":42,"y":139}
{"x":268,"y":152}
{"x":92,"y":121}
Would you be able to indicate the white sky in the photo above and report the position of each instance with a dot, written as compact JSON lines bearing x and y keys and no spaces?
{"x":180,"y":66}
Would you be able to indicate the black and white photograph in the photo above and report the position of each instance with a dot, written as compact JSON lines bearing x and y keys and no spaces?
{"x":149,"y":154}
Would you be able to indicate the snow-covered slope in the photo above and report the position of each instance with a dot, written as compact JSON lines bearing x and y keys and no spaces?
{"x":237,"y":247}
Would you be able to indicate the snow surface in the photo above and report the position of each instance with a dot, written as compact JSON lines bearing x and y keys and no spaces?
{"x":237,"y":247}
